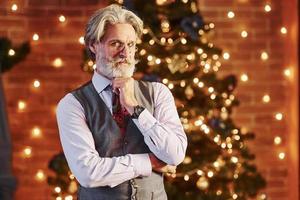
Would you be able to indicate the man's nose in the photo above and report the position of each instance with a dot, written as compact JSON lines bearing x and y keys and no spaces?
{"x":124,"y":52}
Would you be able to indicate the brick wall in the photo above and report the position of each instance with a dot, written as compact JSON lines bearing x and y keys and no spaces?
{"x":60,"y":40}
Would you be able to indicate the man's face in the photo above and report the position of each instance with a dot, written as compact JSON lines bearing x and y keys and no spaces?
{"x":115,"y":52}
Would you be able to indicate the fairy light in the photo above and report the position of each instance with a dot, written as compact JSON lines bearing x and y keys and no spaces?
{"x":62,"y":18}
{"x":187,"y":160}
{"x":57,"y":189}
{"x":196,"y":80}
{"x":27,"y":152}
{"x":213,"y":96}
{"x":157,"y":61}
{"x":81,"y":40}
{"x":183,"y":41}
{"x":142,"y":52}
{"x":58,"y":62}
{"x":151,"y":42}
{"x":145,"y":31}
{"x":171,"y":86}
{"x":14,"y":7}
{"x":263,"y":196}
{"x":11,"y":52}
{"x":211,"y":89}
{"x":230,"y":14}
{"x":244,"y":34}
{"x":268,"y":8}
{"x":40,"y":175}
{"x":287,"y":72}
{"x":150,"y":58}
{"x":165,"y":81}
{"x":35,"y":37}
{"x":277,"y":140}
{"x":184,"y":1}
{"x":210,"y":174}
{"x":244,"y":77}
{"x":186,"y":177}
{"x":36,"y":132}
{"x":36,"y":83}
{"x":199,"y":51}
{"x":279,"y":116}
{"x":69,"y":197}
{"x":226,"y":55}
{"x":234,"y":196}
{"x":264,"y":56}
{"x":182,"y":83}
{"x":170,"y":40}
{"x":21,"y":105}
{"x":281,"y":155}
{"x":58,"y":198}
{"x":266,"y":98}
{"x":234,"y":159}
{"x":283,"y":30}
{"x":200,"y":172}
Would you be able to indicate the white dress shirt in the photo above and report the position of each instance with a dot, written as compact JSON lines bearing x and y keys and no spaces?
{"x":162,"y":131}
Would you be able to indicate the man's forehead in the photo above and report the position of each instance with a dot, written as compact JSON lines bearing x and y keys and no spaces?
{"x":120,"y":31}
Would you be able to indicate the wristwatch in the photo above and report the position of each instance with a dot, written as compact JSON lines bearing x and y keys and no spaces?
{"x":137,"y":110}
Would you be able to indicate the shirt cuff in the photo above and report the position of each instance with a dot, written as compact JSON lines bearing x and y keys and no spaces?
{"x":142,"y":165}
{"x":146,"y":120}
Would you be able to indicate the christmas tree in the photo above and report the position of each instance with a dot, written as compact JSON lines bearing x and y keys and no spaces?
{"x":176,"y":50}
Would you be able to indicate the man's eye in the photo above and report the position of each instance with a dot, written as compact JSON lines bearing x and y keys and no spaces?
{"x":131,"y":44}
{"x":116,"y":44}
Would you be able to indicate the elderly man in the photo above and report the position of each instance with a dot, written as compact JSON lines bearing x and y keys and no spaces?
{"x":119,"y":135}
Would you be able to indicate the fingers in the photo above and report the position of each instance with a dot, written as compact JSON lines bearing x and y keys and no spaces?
{"x":121,"y":82}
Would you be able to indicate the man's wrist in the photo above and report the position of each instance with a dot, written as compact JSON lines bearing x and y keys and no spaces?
{"x":137,"y":110}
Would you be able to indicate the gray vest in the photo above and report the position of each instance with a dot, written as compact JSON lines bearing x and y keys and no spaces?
{"x":109,"y":142}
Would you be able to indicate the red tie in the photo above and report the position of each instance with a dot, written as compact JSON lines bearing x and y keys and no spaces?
{"x":119,"y":112}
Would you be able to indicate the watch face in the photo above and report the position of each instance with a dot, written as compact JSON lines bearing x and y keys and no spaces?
{"x":137,"y":111}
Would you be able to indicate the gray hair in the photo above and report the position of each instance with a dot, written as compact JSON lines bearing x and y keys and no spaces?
{"x":112,"y":14}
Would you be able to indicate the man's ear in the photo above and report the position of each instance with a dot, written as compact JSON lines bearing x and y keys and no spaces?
{"x":92,"y":47}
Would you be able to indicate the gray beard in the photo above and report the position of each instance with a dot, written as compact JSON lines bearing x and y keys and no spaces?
{"x":111,"y":68}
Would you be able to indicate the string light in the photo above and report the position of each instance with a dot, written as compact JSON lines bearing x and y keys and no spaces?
{"x":149,"y":58}
{"x":268,"y":8}
{"x":35,"y":37}
{"x":165,"y":81}
{"x":36,"y":83}
{"x":200,"y":84}
{"x":171,"y":86}
{"x":58,"y":198}
{"x":14,"y":7}
{"x":266,"y":98}
{"x":196,"y":80}
{"x":281,"y":155}
{"x":226,"y":55}
{"x":11,"y":52}
{"x":69,"y":197}
{"x":200,"y":172}
{"x":62,"y":18}
{"x":234,"y":196}
{"x":279,"y":116}
{"x":277,"y":140}
{"x":244,"y":77}
{"x":21,"y":105}
{"x":81,"y":40}
{"x":183,"y":41}
{"x":287,"y":72}
{"x":244,"y":34}
{"x":210,"y":174}
{"x":36,"y":132}
{"x":40,"y":175}
{"x":264,"y":55}
{"x":230,"y":14}
{"x":186,"y":177}
{"x":57,"y":189}
{"x":283,"y":30}
{"x":58,"y":62}
{"x":27,"y":152}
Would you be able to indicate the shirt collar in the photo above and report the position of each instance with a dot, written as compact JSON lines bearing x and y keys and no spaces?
{"x":100,"y":82}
